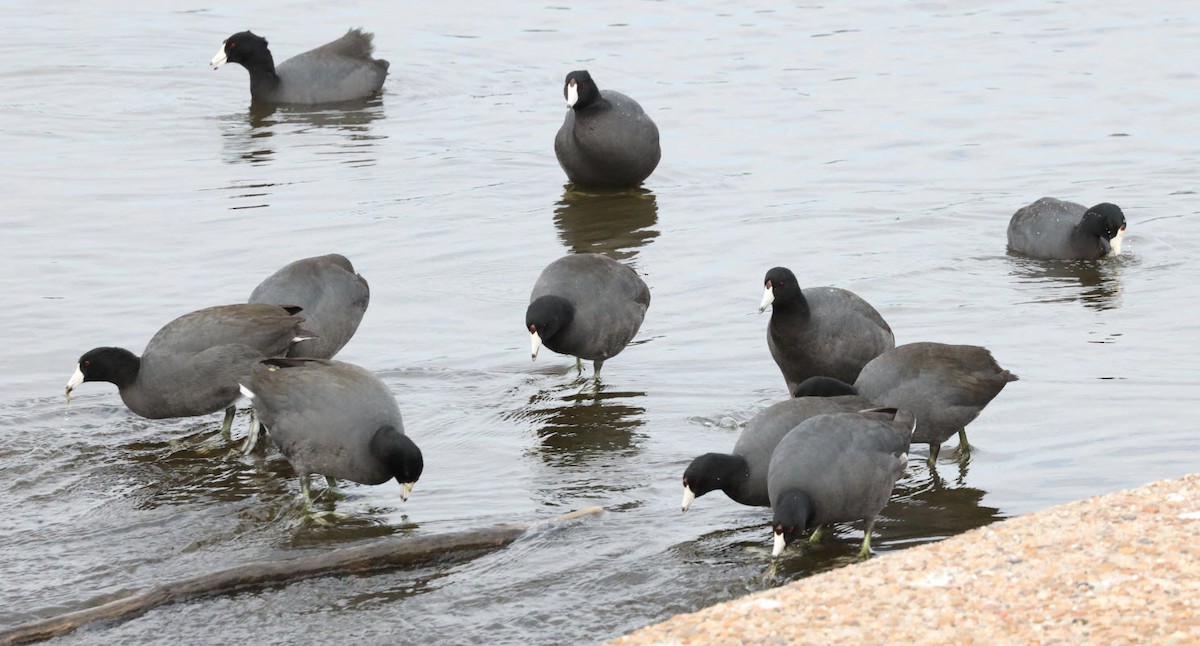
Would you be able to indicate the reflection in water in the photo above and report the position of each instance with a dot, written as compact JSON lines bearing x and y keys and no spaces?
{"x":1095,"y":283}
{"x":614,"y":223}
{"x":248,"y":135}
{"x":396,"y":587}
{"x":924,"y":508}
{"x":578,"y":422}
{"x":746,"y":549}
{"x":202,"y":468}
{"x":582,"y":429}
{"x":201,"y":464}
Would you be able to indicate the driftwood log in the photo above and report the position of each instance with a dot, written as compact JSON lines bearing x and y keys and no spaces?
{"x":378,"y":555}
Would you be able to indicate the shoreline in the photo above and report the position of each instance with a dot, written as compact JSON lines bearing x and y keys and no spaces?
{"x":1116,"y":568}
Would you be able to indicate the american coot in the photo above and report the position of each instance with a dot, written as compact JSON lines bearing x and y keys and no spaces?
{"x":820,"y":331}
{"x":606,"y":140}
{"x":336,"y":419}
{"x":837,"y":468}
{"x":586,"y":305}
{"x":192,"y":365}
{"x":742,"y":474}
{"x":333,"y":297}
{"x":944,"y":386}
{"x":1054,"y":229}
{"x":342,"y":70}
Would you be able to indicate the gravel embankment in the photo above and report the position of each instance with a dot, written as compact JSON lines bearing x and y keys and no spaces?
{"x":1122,"y":568}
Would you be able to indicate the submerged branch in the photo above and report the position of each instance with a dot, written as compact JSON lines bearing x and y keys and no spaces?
{"x":379,"y":555}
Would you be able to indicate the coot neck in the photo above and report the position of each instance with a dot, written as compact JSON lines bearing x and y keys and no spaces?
{"x":595,"y":106}
{"x":125,"y":371}
{"x":125,"y":376}
{"x":732,"y":475}
{"x":263,"y":79}
{"x":792,"y":307}
{"x":1090,"y":233}
{"x":797,"y":508}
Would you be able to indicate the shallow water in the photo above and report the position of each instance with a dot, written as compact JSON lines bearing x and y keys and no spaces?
{"x":872,"y":146}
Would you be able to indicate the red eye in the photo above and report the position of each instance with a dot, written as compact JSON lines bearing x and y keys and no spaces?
{"x":87,"y":364}
{"x":231,"y":45}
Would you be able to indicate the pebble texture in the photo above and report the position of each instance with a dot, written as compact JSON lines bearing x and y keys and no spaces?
{"x":1117,"y":569}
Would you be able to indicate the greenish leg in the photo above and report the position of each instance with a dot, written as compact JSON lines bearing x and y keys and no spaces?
{"x":964,"y":449}
{"x":934,"y":449}
{"x":321,"y":517}
{"x":579,"y":365}
{"x":864,"y":552}
{"x":815,"y":537}
{"x":252,"y":434}
{"x":772,"y":570}
{"x":331,"y":491}
{"x":304,"y":490}
{"x":227,"y":424}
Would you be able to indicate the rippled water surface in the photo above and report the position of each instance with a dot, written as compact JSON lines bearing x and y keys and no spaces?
{"x":875,"y":146}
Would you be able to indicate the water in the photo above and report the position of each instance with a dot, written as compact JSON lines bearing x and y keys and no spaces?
{"x":873,"y":146}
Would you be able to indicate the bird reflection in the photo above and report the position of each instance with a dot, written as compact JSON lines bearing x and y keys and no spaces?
{"x":248,"y":136}
{"x":615,"y":223}
{"x":1094,"y":283}
{"x":180,"y":470}
{"x":580,"y":422}
{"x":925,"y":508}
{"x":201,"y":469}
